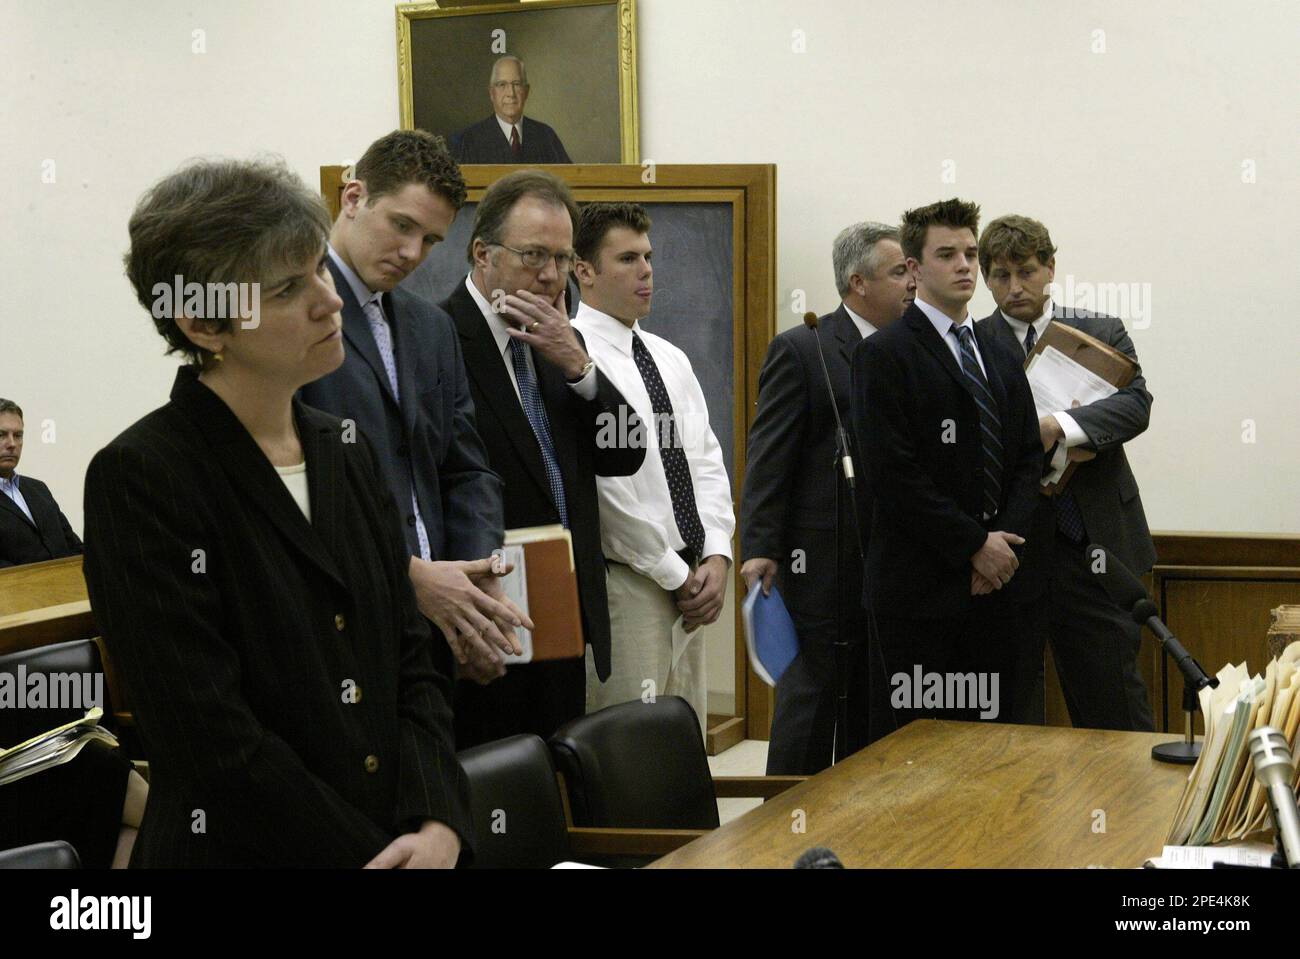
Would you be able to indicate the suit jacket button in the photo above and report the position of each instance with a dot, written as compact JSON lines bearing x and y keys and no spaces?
{"x":372,"y":764}
{"x":339,"y":622}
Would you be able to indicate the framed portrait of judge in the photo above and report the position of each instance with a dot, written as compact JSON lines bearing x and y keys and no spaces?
{"x":547,"y":82}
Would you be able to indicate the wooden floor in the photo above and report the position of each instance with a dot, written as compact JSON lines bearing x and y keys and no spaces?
{"x":946,"y":794}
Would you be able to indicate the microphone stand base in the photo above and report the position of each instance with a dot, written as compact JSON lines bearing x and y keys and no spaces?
{"x":1183,"y":753}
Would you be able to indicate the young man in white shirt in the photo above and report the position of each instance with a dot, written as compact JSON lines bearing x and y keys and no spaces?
{"x":665,"y":530}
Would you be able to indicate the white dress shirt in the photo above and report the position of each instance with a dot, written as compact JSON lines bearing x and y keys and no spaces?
{"x":10,"y":488}
{"x":636,"y":512}
{"x":506,"y":127}
{"x":585,"y":387}
{"x":865,"y":328}
{"x":944,"y":326}
{"x":1074,"y":434}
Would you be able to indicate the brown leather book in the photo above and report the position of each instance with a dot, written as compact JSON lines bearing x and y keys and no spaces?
{"x":1101,"y":359}
{"x":548,"y":579}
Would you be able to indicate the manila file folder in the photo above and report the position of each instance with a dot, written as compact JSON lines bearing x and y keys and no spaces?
{"x":544,"y":584}
{"x":1091,"y":359}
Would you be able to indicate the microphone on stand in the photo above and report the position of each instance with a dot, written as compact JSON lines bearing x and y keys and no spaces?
{"x":818,"y":857}
{"x":841,"y":437}
{"x":1127,"y":592}
{"x":1274,"y":771}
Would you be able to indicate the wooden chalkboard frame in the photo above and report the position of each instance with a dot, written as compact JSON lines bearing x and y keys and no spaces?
{"x":750,"y":189}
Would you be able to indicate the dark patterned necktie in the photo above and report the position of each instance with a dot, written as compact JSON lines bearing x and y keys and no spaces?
{"x":515,"y":148}
{"x":676,"y":471}
{"x":1030,"y":339}
{"x":990,"y":425}
{"x":531,"y":399}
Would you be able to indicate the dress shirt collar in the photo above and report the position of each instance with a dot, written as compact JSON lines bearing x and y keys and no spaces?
{"x":358,"y":287}
{"x":10,"y":485}
{"x":1020,"y":327}
{"x":942,"y":324}
{"x":505,"y":128}
{"x":494,"y":321}
{"x":612,"y":331}
{"x":864,"y":328}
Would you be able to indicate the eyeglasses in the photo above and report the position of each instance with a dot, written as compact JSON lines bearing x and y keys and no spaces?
{"x":535,"y":258}
{"x":512,"y":84}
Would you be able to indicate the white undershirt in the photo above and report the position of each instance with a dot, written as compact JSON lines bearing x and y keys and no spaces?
{"x":295,"y":481}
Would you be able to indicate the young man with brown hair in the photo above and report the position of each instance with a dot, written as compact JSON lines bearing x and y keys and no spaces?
{"x":946,"y":430}
{"x":665,"y":530}
{"x":403,"y":385}
{"x":1094,"y":643}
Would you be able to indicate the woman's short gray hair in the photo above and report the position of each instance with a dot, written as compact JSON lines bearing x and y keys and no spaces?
{"x":854,"y":251}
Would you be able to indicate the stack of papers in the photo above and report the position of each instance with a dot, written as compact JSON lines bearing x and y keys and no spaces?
{"x":53,"y":748}
{"x":1222,"y":801}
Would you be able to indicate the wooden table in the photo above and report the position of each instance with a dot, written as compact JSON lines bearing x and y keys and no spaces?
{"x":947,"y":794}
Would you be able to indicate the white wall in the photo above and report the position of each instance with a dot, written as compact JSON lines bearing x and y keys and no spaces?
{"x":1133,"y":157}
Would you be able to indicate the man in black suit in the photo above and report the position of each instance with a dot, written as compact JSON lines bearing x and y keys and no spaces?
{"x":32,"y":527}
{"x":402,"y":384}
{"x":797,"y":525}
{"x":946,"y":428}
{"x":1094,"y":643}
{"x":541,"y":406}
{"x":508,"y":136}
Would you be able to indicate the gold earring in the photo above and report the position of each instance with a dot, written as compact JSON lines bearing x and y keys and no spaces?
{"x":217,"y":357}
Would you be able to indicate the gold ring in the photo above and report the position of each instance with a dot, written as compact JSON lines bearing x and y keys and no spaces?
{"x":534,"y":325}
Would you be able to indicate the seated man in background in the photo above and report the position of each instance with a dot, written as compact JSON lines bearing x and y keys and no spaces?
{"x":666,"y":529}
{"x":32,"y":527}
{"x":1094,"y":642}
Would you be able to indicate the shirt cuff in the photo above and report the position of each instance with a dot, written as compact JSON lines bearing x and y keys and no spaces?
{"x":1074,"y":434}
{"x":670,"y":572}
{"x":586,"y":387}
{"x":1059,"y":457}
{"x":716,"y":543}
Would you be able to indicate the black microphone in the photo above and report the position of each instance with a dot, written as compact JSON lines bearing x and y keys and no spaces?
{"x":1127,"y":592}
{"x":1273,"y":771}
{"x":841,"y":437}
{"x":818,"y":857}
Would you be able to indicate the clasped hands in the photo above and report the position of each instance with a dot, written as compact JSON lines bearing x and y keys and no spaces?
{"x":699,"y":599}
{"x":464,"y":599}
{"x":995,"y":563}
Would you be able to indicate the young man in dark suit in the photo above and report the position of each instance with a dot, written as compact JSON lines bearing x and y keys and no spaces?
{"x":946,"y":429}
{"x":508,"y":136}
{"x":795,"y":498}
{"x":32,"y":527}
{"x":542,"y":408}
{"x":403,"y":385}
{"x":1094,"y":643}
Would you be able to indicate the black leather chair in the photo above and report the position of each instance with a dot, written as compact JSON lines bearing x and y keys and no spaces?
{"x":637,"y":765}
{"x":42,"y":855}
{"x":515,"y":799}
{"x":77,"y":656}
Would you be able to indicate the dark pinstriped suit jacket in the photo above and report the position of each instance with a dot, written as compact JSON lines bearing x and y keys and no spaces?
{"x":237,"y":671}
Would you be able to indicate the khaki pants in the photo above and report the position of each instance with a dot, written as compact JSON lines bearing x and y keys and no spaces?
{"x":650,"y":654}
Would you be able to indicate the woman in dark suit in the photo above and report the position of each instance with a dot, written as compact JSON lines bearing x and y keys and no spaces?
{"x":246,"y":566}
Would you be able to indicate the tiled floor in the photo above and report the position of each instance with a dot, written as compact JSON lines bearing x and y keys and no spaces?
{"x":748,"y":758}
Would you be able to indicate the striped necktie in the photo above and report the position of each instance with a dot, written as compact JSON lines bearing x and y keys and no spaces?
{"x":990,"y":425}
{"x":1031,"y":338}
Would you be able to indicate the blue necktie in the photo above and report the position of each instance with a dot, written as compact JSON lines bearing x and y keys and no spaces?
{"x":990,"y":425}
{"x":536,"y":413}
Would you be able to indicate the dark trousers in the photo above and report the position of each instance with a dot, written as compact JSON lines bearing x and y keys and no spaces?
{"x":533,"y":698}
{"x":980,"y":645}
{"x":1095,"y":647}
{"x":803,"y":723}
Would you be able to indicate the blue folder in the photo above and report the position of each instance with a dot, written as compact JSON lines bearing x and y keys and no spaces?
{"x":769,"y":633}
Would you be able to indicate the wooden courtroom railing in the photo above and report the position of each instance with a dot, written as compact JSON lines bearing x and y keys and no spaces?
{"x":1215,"y":591}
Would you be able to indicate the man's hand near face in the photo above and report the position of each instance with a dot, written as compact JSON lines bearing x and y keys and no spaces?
{"x":544,"y":325}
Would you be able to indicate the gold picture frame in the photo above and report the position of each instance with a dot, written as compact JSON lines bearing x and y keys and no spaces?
{"x":416,"y":38}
